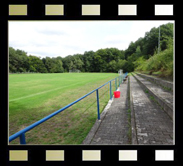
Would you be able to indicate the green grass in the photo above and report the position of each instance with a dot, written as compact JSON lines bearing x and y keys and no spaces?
{"x":146,"y":91}
{"x":157,"y":73}
{"x":129,"y":126}
{"x":152,"y":98}
{"x":130,"y":74}
{"x":34,"y":96}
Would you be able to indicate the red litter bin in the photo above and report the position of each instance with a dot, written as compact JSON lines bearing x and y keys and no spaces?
{"x":116,"y":94}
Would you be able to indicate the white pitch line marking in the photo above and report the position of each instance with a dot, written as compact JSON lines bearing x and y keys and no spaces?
{"x":35,"y":94}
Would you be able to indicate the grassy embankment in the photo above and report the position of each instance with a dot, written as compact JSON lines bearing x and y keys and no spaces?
{"x":159,"y":64}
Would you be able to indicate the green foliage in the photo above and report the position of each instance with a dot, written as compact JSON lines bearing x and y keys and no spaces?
{"x":112,"y":66}
{"x":131,"y":49}
{"x":18,"y":60}
{"x":139,"y":62}
{"x":36,"y":64}
{"x":120,"y":64}
{"x":159,"y":62}
{"x":128,"y":67}
{"x":149,"y":43}
{"x":88,"y":59}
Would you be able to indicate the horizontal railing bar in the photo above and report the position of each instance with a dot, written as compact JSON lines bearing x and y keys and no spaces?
{"x":46,"y":118}
{"x":14,"y":136}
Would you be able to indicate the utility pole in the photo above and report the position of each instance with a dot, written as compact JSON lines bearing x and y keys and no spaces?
{"x":159,"y":41}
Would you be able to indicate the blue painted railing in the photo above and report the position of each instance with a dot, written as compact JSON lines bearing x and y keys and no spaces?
{"x":21,"y":133}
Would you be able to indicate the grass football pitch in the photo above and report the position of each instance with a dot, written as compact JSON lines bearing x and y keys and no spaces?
{"x":34,"y":96}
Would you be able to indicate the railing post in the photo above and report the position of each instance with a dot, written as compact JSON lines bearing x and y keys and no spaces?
{"x":22,"y":139}
{"x":119,"y":80}
{"x":110,"y":91}
{"x":116,"y":83}
{"x":98,"y":108}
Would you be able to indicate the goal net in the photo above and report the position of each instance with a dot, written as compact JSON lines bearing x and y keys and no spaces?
{"x":74,"y":71}
{"x":120,"y":72}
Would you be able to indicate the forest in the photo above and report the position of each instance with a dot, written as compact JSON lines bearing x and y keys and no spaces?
{"x":141,"y":55}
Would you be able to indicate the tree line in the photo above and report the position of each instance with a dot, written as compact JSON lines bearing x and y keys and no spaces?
{"x":102,"y":60}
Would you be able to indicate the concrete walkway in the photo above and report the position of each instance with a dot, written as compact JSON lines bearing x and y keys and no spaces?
{"x":153,"y":125}
{"x":113,"y":127}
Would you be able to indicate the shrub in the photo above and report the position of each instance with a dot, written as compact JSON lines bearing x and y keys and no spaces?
{"x":158,"y":62}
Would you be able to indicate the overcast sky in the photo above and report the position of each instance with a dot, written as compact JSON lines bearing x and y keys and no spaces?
{"x":62,"y":38}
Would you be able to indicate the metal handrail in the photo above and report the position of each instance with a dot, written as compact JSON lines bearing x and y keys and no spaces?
{"x":22,"y":132}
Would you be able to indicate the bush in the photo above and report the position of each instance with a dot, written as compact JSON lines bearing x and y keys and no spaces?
{"x":139,"y":62}
{"x":158,"y":62}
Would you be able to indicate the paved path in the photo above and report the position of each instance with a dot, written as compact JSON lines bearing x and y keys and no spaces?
{"x":113,"y":128}
{"x":153,"y":125}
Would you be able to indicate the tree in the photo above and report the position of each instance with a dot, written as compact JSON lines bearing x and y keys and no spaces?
{"x":112,"y":66}
{"x":71,"y":66}
{"x":18,"y":60}
{"x":78,"y":64}
{"x":130,"y":50}
{"x":128,"y":67}
{"x":122,"y":55}
{"x":36,"y":64}
{"x":54,"y":65}
{"x":138,"y":52}
{"x":13,"y":61}
{"x":57,"y":66}
{"x":114,"y":54}
{"x":88,"y":61}
{"x":120,"y":64}
{"x":66,"y":62}
{"x":99,"y":60}
{"x":48,"y":64}
{"x":151,"y":39}
{"x":60,"y":68}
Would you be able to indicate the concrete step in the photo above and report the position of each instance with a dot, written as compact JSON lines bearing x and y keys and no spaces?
{"x":163,"y":83}
{"x":162,"y":96}
{"x":152,"y":124}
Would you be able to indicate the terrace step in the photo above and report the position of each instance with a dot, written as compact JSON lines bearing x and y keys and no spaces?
{"x":158,"y":81}
{"x":162,"y":96}
{"x":152,"y":124}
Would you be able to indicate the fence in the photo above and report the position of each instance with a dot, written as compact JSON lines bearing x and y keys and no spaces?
{"x":21,"y":133}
